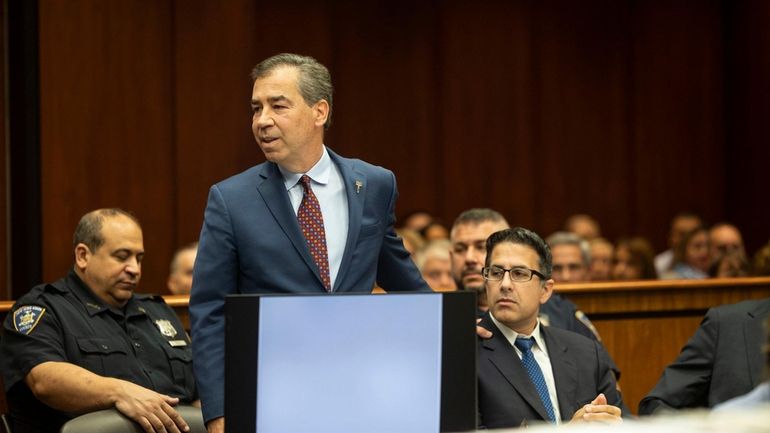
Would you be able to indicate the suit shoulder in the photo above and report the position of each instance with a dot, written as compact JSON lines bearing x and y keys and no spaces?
{"x":246,"y":177}
{"x":755,"y":307}
{"x":361,"y":165}
{"x":566,"y":337}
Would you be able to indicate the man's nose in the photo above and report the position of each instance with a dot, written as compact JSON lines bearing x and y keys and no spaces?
{"x":472,"y":255}
{"x":133,"y":267}
{"x":506,"y":283}
{"x":263,"y":118}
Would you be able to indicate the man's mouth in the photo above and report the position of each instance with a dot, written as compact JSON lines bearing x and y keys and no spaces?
{"x":506,"y":301}
{"x":268,"y":139}
{"x":471,"y":273}
{"x":131,"y":285}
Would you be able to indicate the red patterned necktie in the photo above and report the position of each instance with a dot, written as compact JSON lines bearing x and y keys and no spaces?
{"x":312,"y":224}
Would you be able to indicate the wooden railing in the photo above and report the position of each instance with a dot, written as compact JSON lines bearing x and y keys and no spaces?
{"x":643,"y":324}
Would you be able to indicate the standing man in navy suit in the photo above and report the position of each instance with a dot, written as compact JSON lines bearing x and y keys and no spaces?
{"x":305,"y":221}
{"x":527,"y":371}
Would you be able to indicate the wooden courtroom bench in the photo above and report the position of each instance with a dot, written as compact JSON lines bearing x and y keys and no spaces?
{"x":643,"y":324}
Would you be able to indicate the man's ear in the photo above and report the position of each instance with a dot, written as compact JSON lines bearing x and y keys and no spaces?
{"x":321,"y":112}
{"x":547,"y":292}
{"x":82,"y":255}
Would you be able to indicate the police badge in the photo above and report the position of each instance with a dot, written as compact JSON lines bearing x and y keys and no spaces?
{"x":166,"y":328}
{"x":25,"y":318}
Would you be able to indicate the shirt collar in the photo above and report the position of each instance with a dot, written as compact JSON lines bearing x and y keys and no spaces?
{"x":94,"y":304}
{"x":512,"y":335}
{"x":319,"y":173}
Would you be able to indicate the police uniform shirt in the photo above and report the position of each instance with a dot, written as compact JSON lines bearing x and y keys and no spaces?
{"x":143,"y":343}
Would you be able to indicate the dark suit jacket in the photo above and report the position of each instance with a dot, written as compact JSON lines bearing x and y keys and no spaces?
{"x":508,"y":398}
{"x":251,"y":242}
{"x":721,"y":361}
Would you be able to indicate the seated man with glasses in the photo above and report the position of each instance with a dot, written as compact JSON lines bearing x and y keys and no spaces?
{"x":528,"y":372}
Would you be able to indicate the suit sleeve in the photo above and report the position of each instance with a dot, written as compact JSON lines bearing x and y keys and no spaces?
{"x":215,"y":276}
{"x":607,"y":382}
{"x":685,"y":383}
{"x":395,"y":269}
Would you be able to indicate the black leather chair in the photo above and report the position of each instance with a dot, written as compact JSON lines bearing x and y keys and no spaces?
{"x":112,"y":421}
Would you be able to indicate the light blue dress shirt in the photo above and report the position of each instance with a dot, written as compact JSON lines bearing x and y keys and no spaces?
{"x":329,"y":188}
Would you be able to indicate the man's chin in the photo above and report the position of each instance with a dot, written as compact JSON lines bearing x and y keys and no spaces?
{"x":478,"y":288}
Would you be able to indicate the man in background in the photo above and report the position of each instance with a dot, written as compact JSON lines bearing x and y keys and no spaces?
{"x":434,"y":262}
{"x":180,"y":275}
{"x":468,"y":237}
{"x":584,"y":226}
{"x":601,"y":259}
{"x":571,"y":258}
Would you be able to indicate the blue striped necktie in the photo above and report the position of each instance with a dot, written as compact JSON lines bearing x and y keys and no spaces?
{"x":535,"y":374}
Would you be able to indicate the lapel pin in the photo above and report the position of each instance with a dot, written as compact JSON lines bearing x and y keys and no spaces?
{"x":359,"y":185}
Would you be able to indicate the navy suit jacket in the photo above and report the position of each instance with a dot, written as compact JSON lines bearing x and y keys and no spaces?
{"x":251,"y":242}
{"x":722,"y":360}
{"x":508,"y":398}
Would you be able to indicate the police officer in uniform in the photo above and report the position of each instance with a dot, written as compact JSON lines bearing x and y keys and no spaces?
{"x":87,"y":342}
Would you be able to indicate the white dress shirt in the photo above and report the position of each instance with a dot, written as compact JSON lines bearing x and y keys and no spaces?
{"x":540,"y":352}
{"x":329,"y":188}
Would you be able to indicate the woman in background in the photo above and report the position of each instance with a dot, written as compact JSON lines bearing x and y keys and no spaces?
{"x":691,"y":256}
{"x":633,"y":260}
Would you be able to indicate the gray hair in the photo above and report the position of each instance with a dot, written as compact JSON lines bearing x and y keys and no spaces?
{"x":438,"y":249}
{"x":315,"y":82}
{"x":569,"y":238}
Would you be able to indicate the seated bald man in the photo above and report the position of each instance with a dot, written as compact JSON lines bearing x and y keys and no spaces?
{"x":87,"y":342}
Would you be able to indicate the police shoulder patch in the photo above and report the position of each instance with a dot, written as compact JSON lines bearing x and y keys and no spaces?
{"x":26,"y":317}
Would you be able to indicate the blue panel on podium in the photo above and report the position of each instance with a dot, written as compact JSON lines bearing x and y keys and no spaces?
{"x":350,"y":363}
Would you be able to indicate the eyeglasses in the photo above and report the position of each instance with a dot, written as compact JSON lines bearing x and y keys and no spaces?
{"x":517,"y":274}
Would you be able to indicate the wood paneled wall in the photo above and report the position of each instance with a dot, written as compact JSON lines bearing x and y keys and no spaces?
{"x":629,"y":111}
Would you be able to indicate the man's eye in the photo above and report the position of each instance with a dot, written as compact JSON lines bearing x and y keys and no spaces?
{"x":496,"y":272}
{"x":459,"y":248}
{"x":519,"y":273}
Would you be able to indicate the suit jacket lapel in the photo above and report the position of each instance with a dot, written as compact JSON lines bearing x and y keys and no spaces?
{"x":565,"y":374}
{"x":753,"y":332}
{"x":355,"y":190}
{"x":273,"y":192}
{"x":507,"y":362}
